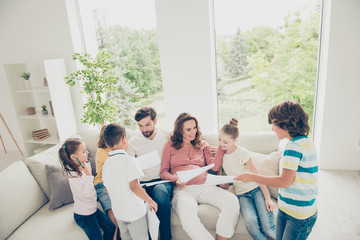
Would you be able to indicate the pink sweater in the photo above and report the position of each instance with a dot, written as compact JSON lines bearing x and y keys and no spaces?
{"x":185,"y":158}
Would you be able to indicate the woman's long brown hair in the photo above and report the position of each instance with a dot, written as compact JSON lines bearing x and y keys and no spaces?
{"x":177,"y":135}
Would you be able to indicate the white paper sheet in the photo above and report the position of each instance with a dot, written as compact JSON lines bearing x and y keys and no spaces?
{"x":217,"y":179}
{"x":153,"y":223}
{"x":148,"y":160}
{"x":187,"y":175}
{"x":154,"y":183}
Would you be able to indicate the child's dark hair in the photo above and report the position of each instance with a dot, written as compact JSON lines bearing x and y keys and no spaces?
{"x":113,"y":133}
{"x":69,"y":147}
{"x":144,"y":112}
{"x":231,"y":128}
{"x":101,"y":142}
{"x":290,"y":116}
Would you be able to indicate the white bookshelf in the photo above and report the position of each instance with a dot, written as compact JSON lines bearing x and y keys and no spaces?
{"x":60,"y":121}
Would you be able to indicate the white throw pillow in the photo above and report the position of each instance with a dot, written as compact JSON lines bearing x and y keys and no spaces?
{"x":268,"y":165}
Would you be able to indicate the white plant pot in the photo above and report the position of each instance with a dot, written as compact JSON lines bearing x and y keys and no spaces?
{"x":27,"y":84}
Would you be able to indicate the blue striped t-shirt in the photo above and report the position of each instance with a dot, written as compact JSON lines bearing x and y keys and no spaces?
{"x":299,"y":199}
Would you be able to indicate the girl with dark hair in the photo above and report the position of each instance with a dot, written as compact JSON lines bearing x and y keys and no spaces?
{"x":298,"y":185}
{"x":186,"y":150}
{"x":255,"y":202}
{"x":73,"y":157}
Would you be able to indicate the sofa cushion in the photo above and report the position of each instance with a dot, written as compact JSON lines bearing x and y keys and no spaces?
{"x":20,"y":197}
{"x":60,"y":192}
{"x":37,"y":163}
{"x":47,"y":224}
{"x":268,"y":165}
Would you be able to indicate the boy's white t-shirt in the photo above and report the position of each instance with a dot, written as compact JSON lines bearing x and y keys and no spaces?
{"x":140,"y":145}
{"x":118,"y":171}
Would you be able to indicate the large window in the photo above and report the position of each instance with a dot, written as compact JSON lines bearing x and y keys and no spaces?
{"x":127,"y":30}
{"x":267,"y":52}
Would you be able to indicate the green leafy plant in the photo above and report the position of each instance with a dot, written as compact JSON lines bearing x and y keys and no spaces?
{"x":43,"y":107}
{"x":98,"y":82}
{"x":25,"y":75}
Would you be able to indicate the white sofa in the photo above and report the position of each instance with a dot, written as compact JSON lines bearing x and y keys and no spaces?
{"x":25,"y":193}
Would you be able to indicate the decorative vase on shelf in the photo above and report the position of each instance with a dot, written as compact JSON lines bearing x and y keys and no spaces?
{"x":45,"y":82}
{"x":30,"y":110}
{"x":44,"y":111}
{"x":27,"y":85}
{"x":26,"y":77}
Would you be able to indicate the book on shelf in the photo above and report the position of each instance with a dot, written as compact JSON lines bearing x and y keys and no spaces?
{"x":41,"y":134}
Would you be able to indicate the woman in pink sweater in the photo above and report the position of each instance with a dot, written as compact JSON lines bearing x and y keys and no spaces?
{"x":184,"y":151}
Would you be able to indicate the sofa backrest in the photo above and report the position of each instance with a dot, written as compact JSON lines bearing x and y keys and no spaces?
{"x":37,"y":164}
{"x":20,"y":197}
{"x":261,"y":142}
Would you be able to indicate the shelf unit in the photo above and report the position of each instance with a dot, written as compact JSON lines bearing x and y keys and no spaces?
{"x":60,"y":120}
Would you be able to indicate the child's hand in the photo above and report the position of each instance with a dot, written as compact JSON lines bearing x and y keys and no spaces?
{"x":270,"y":205}
{"x":153,"y":205}
{"x":224,"y":186}
{"x":87,"y":170}
{"x":180,"y":184}
{"x":244,"y":177}
{"x":211,"y":150}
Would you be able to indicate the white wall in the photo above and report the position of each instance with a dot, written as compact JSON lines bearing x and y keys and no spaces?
{"x":337,"y":132}
{"x":32,"y":30}
{"x":187,"y":57}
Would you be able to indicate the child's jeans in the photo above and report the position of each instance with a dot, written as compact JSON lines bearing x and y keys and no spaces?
{"x":91,"y":225}
{"x":259,"y":222}
{"x":288,"y":227}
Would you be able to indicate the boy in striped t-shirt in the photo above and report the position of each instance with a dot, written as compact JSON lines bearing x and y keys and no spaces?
{"x":298,"y":186}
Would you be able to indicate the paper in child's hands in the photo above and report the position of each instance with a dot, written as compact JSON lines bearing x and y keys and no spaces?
{"x":148,"y":160}
{"x":187,"y":175}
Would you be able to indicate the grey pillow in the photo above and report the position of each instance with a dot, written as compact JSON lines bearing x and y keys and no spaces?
{"x":60,"y":192}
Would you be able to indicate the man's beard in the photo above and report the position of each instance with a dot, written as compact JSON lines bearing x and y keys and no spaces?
{"x":148,"y":134}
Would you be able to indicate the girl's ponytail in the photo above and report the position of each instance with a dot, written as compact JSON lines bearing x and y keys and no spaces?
{"x":69,"y":147}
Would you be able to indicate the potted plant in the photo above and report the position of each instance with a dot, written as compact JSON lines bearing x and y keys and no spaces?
{"x":44,"y":110}
{"x":26,"y":76}
{"x":98,"y":81}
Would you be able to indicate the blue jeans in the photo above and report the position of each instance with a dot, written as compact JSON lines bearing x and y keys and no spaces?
{"x":259,"y":222}
{"x":162,"y":194}
{"x":288,"y":227}
{"x":91,"y":225}
{"x":103,"y":196}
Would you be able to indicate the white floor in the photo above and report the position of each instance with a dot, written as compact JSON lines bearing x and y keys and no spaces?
{"x":339,"y":202}
{"x":339,"y":206}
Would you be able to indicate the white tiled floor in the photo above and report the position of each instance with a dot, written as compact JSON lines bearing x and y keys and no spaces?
{"x":338,"y":206}
{"x":338,"y":202}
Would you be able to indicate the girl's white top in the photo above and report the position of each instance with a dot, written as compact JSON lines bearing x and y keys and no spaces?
{"x":84,"y":194}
